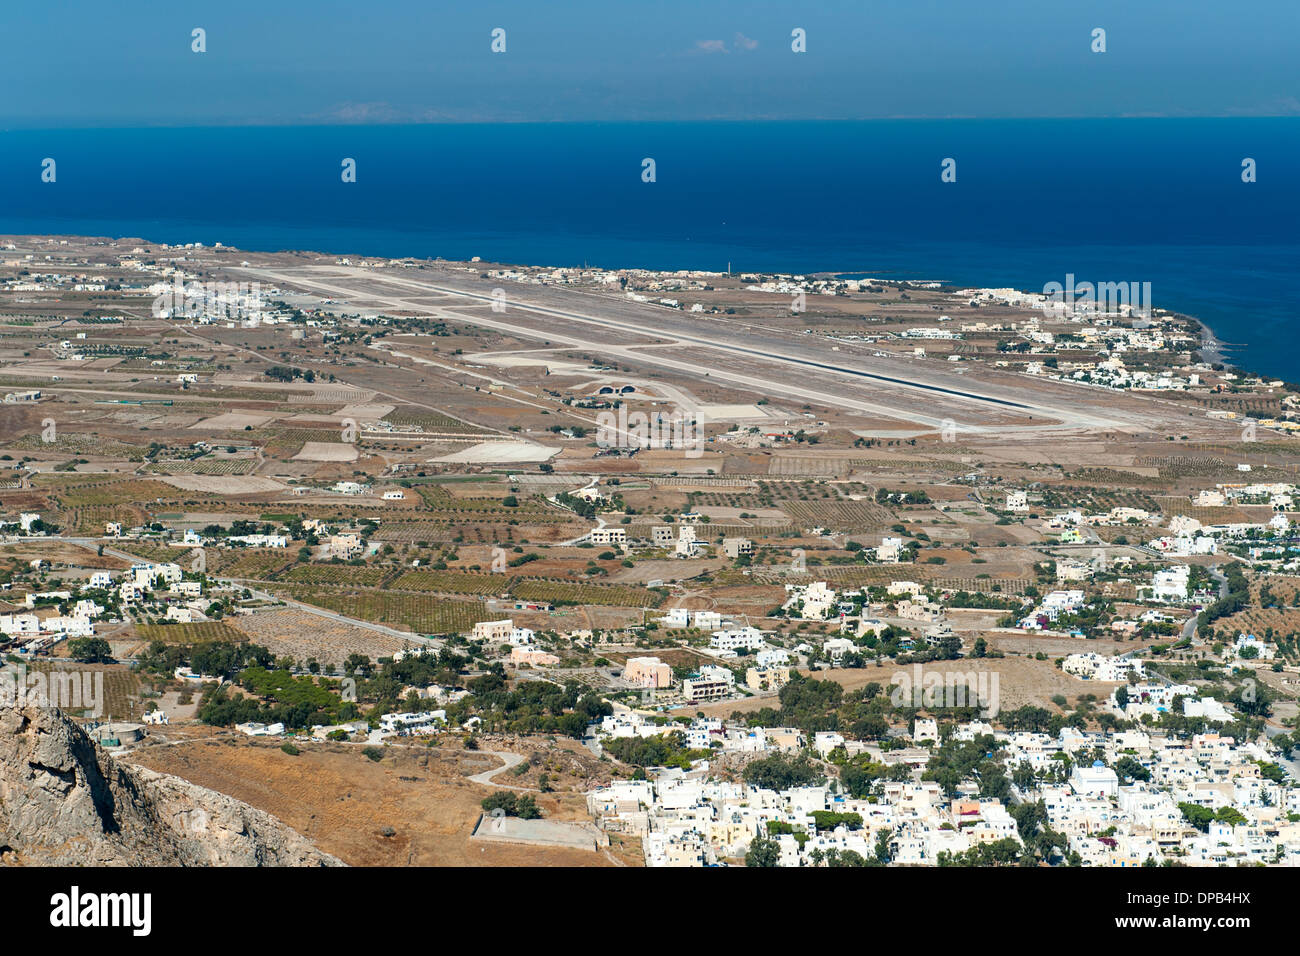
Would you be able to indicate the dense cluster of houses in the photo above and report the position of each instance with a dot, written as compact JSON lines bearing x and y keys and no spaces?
{"x":53,"y":616}
{"x":692,"y":818}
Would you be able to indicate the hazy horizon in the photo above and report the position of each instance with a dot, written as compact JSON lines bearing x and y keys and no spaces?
{"x":331,"y":62}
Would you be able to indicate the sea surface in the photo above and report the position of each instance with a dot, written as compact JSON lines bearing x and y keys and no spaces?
{"x":1122,"y":200}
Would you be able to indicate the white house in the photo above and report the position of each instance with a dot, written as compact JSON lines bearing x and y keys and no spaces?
{"x":1170,"y":584}
{"x":736,"y":639}
{"x":1095,"y":779}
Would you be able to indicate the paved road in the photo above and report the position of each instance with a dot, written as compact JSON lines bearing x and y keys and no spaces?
{"x":1189,"y":629}
{"x":785,"y":369}
{"x":338,"y":618}
{"x":266,"y":596}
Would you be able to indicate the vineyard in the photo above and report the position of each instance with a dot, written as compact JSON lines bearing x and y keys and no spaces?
{"x":717,"y":499}
{"x":90,"y":521}
{"x":438,"y":499}
{"x":421,"y":613}
{"x":1114,"y":478}
{"x":905,"y":466}
{"x":847,"y":575}
{"x":430,"y":422}
{"x":564,"y":592}
{"x":984,"y":585}
{"x":551,"y":590}
{"x":477,"y":531}
{"x":257,"y":564}
{"x":1179,"y":505}
{"x":149,"y":550}
{"x":1101,"y":499}
{"x":284,"y":443}
{"x":190,"y":633}
{"x":121,"y":687}
{"x":790,"y":467}
{"x":69,"y":443}
{"x":453,"y":582}
{"x":1188,"y":466}
{"x":335,"y":574}
{"x":203,"y":466}
{"x":839,"y":515}
{"x":113,"y":492}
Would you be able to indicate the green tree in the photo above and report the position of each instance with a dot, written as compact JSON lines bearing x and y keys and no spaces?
{"x":90,"y":650}
{"x":763,"y":852}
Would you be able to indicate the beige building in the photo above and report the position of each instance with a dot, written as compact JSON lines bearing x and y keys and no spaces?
{"x":344,"y":545}
{"x":492,"y":631}
{"x":648,"y":672}
{"x":533,"y":657}
{"x":696,"y":689}
{"x":759,"y":679}
{"x":737,"y":547}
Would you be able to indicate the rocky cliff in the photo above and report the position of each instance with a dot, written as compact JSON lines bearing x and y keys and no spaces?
{"x":64,"y":802}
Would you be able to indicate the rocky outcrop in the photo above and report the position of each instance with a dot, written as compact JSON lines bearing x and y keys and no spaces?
{"x":65,"y":802}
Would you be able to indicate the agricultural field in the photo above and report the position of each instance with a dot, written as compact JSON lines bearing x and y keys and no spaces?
{"x":291,"y":632}
{"x":114,"y":492}
{"x":76,"y":444}
{"x":431,"y":423}
{"x":840,"y":515}
{"x":203,"y":466}
{"x":254,"y":564}
{"x":453,"y":582}
{"x":147,"y":550}
{"x":121,"y":686}
{"x":335,"y":575}
{"x":90,"y":521}
{"x":563,"y":592}
{"x":195,"y":633}
{"x":403,"y":610}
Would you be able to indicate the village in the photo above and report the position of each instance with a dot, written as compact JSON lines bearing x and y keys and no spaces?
{"x":696,"y":617}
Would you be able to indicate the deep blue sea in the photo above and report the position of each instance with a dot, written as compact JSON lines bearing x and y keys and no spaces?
{"x":1143,"y":200}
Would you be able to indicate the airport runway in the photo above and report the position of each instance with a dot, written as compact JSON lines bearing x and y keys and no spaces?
{"x":762,"y":363}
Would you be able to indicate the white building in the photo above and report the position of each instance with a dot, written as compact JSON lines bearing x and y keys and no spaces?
{"x":736,"y":639}
{"x":1096,"y":779}
{"x":1170,"y":584}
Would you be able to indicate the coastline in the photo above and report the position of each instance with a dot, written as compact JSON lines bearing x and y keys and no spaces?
{"x":1212,"y":350}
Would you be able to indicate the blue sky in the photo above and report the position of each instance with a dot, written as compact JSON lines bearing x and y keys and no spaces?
{"x":129,"y":63}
